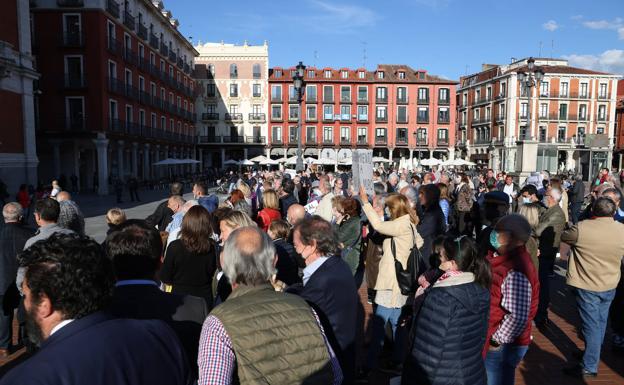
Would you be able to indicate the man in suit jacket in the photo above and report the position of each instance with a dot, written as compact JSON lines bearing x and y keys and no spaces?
{"x":80,"y":344}
{"x":136,"y":251}
{"x":163,"y":214}
{"x":329,"y":287}
{"x":13,"y":237}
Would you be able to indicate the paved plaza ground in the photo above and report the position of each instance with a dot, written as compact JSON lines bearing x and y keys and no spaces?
{"x":550,"y":351}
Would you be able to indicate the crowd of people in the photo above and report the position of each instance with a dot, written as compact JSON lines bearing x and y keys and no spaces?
{"x":262,"y":286}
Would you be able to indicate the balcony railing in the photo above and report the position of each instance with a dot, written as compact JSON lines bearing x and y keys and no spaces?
{"x":116,"y":86}
{"x":362,"y":141}
{"x":401,"y":141}
{"x":381,"y":140}
{"x":443,"y":119}
{"x":70,"y":3}
{"x":210,"y":139}
{"x":276,"y":118}
{"x":345,"y":117}
{"x":603,"y":97}
{"x":311,"y":140}
{"x":234,"y":139}
{"x":345,"y":99}
{"x":362,"y":118}
{"x":601,"y":118}
{"x":482,"y":100}
{"x":276,"y":98}
{"x":327,"y":99}
{"x":362,"y":100}
{"x":164,"y":50}
{"x":381,"y":100}
{"x":311,"y":99}
{"x":328,"y":117}
{"x":257,"y":117}
{"x":172,"y":56}
{"x":153,"y":41}
{"x":422,"y":119}
{"x":142,"y":31}
{"x":276,"y":140}
{"x":180,"y":62}
{"x":484,"y":120}
{"x":401,"y":119}
{"x":250,"y":139}
{"x":423,"y":100}
{"x":233,"y":117}
{"x":112,"y":7}
{"x":292,"y":140}
{"x":444,"y":102}
{"x":422,"y":142}
{"x":403,"y":100}
{"x":443,"y":142}
{"x":73,"y":39}
{"x":381,"y":119}
{"x":500,"y":117}
{"x":69,"y":123}
{"x":73,"y":81}
{"x":114,"y":45}
{"x":345,"y":141}
{"x":128,"y":20}
{"x":328,"y":140}
{"x":210,"y":116}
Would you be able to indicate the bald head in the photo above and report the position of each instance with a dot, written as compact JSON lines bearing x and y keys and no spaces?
{"x":63,"y":196}
{"x":295,"y":214}
{"x":248,"y":257}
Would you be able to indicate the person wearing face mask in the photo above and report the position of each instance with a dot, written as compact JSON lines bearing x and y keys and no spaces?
{"x":449,"y":330}
{"x":514,"y":298}
{"x":551,"y":225}
{"x":329,"y":287}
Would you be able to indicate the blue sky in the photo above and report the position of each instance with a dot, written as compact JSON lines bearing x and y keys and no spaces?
{"x":445,"y":37}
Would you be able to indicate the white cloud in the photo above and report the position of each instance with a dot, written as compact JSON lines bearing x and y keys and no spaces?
{"x":616,"y":24}
{"x":576,"y":17}
{"x":611,"y":61}
{"x":340,"y":18}
{"x":550,"y":25}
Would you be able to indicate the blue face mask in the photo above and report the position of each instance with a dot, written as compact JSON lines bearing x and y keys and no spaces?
{"x":494,"y":240}
{"x":526,"y":200}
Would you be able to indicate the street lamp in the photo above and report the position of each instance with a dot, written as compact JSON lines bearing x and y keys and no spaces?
{"x":533,"y":77}
{"x":299,"y":85}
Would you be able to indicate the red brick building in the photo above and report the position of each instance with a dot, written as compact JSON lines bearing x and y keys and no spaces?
{"x":116,"y":91}
{"x":618,"y":160}
{"x":396,"y":111}
{"x":18,"y":158}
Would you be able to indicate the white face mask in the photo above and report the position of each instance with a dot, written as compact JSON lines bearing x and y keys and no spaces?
{"x":526,"y":200}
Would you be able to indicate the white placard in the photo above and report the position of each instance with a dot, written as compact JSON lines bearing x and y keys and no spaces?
{"x":363,"y":170}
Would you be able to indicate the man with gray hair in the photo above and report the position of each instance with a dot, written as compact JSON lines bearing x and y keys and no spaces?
{"x":13,"y":237}
{"x":551,"y":225}
{"x":176,"y":224}
{"x":324,"y":208}
{"x":277,"y":350}
{"x":393,"y":180}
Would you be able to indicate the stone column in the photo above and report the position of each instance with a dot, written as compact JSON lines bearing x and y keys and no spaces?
{"x":222,"y":157}
{"x":451,"y":153}
{"x":56,"y":156}
{"x":146,"y":159}
{"x":101,"y":145}
{"x":201,"y":159}
{"x":135,"y":150}
{"x":120,"y":159}
{"x":390,"y":153}
{"x":245,"y":152}
{"x":157,"y":173}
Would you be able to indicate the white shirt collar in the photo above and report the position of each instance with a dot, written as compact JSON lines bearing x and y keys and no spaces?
{"x":61,"y":325}
{"x":312,"y":268}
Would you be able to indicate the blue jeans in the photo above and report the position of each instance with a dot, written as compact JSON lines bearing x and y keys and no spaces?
{"x":593,"y":308}
{"x":383,"y":315}
{"x":501,"y":364}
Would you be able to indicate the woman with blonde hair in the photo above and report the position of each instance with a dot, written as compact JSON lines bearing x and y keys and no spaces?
{"x":402,"y":236}
{"x":270,"y":211}
{"x":531,"y":212}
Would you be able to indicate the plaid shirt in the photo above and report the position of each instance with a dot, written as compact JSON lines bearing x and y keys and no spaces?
{"x":516,"y":294}
{"x":217,"y":361}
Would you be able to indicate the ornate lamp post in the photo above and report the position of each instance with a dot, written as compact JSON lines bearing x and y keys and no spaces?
{"x":299,"y":85}
{"x":532,"y":78}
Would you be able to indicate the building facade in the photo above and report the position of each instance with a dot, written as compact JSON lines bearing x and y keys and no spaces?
{"x":116,"y":89}
{"x":398,"y":112}
{"x":618,"y":160}
{"x":233,"y":105}
{"x":18,"y":157}
{"x":571,"y":117}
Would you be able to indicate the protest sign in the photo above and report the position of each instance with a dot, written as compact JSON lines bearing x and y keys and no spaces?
{"x":363,"y":170}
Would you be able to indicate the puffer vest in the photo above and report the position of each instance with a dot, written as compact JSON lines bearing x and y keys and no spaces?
{"x":275,"y":336}
{"x":501,"y":266}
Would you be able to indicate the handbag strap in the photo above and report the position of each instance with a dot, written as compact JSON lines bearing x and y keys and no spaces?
{"x":393,"y":247}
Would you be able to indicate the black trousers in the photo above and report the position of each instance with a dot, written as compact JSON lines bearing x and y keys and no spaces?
{"x":546,"y":266}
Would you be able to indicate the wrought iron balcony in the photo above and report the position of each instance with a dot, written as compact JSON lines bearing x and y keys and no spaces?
{"x":257,"y":117}
{"x":73,"y":39}
{"x":128,"y":20}
{"x":142,"y":31}
{"x":74,"y":81}
{"x":112,"y":7}
{"x":233,"y":117}
{"x":381,"y":140}
{"x":423,"y":100}
{"x":70,"y":3}
{"x":153,"y":41}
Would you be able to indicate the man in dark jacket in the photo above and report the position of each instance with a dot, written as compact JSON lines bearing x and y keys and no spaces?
{"x":329,"y":287}
{"x":136,"y":251}
{"x":79,"y":342}
{"x":576,"y":198}
{"x":551,"y":224}
{"x":287,"y":199}
{"x":13,"y":237}
{"x":163,"y":214}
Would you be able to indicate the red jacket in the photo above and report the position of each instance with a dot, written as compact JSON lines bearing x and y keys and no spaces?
{"x":266,"y":216}
{"x":501,"y":265}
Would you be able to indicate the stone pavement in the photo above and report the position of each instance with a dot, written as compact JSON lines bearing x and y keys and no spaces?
{"x":551,"y":348}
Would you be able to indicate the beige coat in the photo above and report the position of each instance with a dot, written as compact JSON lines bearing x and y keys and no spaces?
{"x":597,"y":251}
{"x":400,"y":230}
{"x":564,"y":205}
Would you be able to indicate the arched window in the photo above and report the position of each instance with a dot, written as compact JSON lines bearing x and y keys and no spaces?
{"x":233,"y":71}
{"x":256,"y":71}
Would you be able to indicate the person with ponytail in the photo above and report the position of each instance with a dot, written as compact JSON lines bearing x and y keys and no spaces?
{"x":450,"y":327}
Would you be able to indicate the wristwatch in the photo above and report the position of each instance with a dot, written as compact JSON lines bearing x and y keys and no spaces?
{"x":494,"y":343}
